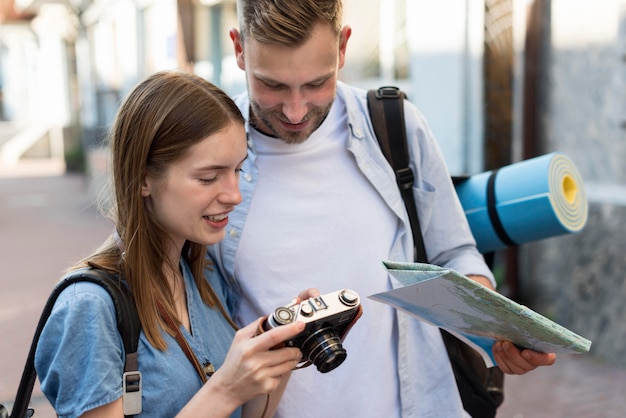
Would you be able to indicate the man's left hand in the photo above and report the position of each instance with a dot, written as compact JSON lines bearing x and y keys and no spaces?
{"x":513,"y":360}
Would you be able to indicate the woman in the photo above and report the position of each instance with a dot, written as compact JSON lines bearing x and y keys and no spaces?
{"x":177,"y":145}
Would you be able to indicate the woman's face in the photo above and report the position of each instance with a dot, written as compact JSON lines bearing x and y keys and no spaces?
{"x":192,"y":201}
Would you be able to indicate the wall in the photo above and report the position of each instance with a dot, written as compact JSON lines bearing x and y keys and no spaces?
{"x":578,"y":280}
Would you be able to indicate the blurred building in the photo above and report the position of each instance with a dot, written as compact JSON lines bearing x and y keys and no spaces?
{"x":34,"y":105}
{"x":95,"y":51}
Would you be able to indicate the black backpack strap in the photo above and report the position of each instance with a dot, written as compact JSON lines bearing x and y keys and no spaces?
{"x":128,"y":325}
{"x":481,"y":389}
{"x":386,"y":107}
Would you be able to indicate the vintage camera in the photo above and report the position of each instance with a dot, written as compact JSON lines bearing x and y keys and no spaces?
{"x":327,"y":320}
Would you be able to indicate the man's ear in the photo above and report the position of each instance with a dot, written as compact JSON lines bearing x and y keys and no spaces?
{"x":343,"y":43}
{"x":235,"y":36}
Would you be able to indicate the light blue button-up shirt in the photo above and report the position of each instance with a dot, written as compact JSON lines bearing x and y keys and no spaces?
{"x":80,"y":355}
{"x":426,"y":382}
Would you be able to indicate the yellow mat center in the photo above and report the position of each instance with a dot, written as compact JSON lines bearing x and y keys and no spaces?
{"x":569,"y":189}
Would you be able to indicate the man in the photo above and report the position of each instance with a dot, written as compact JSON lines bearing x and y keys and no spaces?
{"x":321,"y":208}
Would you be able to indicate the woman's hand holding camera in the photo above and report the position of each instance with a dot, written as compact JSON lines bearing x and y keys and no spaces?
{"x":253,"y":367}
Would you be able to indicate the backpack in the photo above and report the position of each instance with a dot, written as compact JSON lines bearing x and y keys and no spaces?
{"x":128,"y":325}
{"x":481,"y":388}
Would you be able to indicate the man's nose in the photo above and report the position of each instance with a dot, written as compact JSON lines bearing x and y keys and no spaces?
{"x":295,"y":107}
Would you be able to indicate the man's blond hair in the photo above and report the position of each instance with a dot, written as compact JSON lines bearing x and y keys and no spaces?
{"x":287,"y":22}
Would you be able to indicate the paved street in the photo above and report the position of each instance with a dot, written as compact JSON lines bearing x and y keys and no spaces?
{"x":575,"y":387}
{"x":46,"y":224}
{"x":49,"y":222}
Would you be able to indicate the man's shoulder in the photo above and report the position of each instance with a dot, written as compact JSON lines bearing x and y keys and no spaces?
{"x":356,"y":98}
{"x":348,"y":90}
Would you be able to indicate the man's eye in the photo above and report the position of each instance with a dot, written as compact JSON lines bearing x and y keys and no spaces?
{"x":207,"y":181}
{"x":273,"y":86}
{"x":317,"y":85}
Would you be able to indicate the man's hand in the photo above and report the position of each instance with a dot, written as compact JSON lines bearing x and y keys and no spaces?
{"x":482,"y":280}
{"x":512,"y":360}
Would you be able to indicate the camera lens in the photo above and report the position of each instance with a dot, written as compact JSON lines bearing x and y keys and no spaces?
{"x":323,"y":348}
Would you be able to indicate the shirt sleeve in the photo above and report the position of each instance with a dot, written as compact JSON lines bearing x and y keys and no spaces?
{"x":447,"y":235}
{"x":80,"y":356}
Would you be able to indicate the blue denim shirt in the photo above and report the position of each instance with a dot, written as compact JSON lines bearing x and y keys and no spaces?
{"x":426,"y":381}
{"x":80,"y":355}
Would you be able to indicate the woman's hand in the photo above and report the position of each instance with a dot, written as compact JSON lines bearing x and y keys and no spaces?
{"x":512,"y":360}
{"x":251,"y":368}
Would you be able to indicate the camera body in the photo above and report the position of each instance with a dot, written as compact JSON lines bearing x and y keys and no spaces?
{"x":327,"y":320}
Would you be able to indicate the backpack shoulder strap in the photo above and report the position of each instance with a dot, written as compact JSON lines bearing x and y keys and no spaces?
{"x":128,"y":325}
{"x":386,"y":107}
{"x":480,"y":398}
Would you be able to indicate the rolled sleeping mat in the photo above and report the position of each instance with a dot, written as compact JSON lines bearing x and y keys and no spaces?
{"x":538,"y":198}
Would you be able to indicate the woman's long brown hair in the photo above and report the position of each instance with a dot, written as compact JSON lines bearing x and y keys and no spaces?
{"x":159,"y":120}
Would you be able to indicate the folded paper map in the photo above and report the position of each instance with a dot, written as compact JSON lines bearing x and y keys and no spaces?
{"x":473,"y":312}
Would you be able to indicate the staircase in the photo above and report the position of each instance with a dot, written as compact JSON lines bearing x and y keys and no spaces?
{"x":34,"y":150}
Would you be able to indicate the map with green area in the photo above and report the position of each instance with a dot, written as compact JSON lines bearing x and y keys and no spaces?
{"x":473,"y":312}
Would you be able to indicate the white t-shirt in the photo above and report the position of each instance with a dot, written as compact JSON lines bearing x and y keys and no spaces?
{"x":316,"y":221}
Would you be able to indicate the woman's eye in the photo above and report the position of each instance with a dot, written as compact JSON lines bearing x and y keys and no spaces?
{"x":207,"y":181}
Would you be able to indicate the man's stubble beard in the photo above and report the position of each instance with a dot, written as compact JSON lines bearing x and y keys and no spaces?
{"x":265,"y":126}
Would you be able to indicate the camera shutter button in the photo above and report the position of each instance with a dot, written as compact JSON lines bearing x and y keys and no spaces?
{"x":306,"y":310}
{"x":348,"y":297}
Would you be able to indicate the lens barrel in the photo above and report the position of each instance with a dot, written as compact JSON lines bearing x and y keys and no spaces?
{"x":324,"y":349}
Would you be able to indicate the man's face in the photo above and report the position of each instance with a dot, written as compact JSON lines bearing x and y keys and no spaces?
{"x":292,"y":89}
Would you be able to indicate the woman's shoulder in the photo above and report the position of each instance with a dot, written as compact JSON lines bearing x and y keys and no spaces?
{"x":79,"y":345}
{"x":85,"y":311}
{"x":85,"y":296}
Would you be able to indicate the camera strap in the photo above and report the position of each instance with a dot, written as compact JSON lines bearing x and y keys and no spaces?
{"x":203,"y":371}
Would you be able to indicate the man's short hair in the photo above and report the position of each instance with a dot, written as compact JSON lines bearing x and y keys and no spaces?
{"x":287,"y":22}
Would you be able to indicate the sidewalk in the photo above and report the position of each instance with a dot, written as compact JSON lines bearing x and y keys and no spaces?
{"x":576,"y":386}
{"x":49,"y":222}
